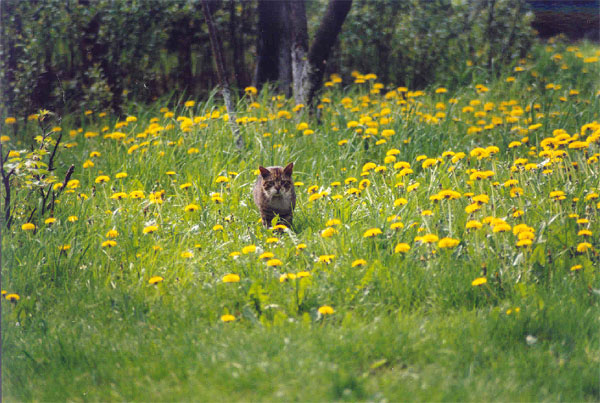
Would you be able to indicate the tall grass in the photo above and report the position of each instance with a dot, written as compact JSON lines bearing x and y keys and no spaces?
{"x":148,"y":318}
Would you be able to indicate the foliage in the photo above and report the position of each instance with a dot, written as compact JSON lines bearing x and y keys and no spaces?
{"x":79,"y":55}
{"x":448,"y":42}
{"x":445,"y":248}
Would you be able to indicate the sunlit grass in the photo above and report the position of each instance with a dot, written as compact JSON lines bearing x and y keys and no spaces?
{"x":445,"y":247}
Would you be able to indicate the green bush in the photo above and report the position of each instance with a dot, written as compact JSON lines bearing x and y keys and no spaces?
{"x":415,"y":43}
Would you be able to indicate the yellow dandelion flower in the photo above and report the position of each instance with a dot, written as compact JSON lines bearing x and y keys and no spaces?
{"x":227,"y":318}
{"x":231,"y":278}
{"x":402,"y":248}
{"x":400,"y":202}
{"x":300,"y":246}
{"x":397,"y":225}
{"x":12,"y":297}
{"x":249,"y":249}
{"x":274,"y":262}
{"x":359,"y":262}
{"x":191,"y":207}
{"x":113,"y":233}
{"x":50,"y":220}
{"x":576,"y":267}
{"x":218,"y":227}
{"x":266,"y":255}
{"x":479,"y":281}
{"x":28,"y":226}
{"x":326,"y":258}
{"x":155,"y":280}
{"x":326,"y":310}
{"x":372,"y":232}
{"x":448,"y":243}
{"x":150,"y":229}
{"x":109,"y":244}
{"x":328,"y":232}
{"x":102,"y":179}
{"x":584,"y":247}
{"x":72,"y":218}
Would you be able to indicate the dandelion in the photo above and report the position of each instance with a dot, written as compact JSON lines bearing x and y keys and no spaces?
{"x":251,"y":90}
{"x":328,"y":232}
{"x":427,"y":238}
{"x":112,"y":233}
{"x":50,"y":221}
{"x":448,"y":243}
{"x":473,"y":224}
{"x":479,"y":281}
{"x":150,"y":229}
{"x":326,"y":258}
{"x":28,"y":226}
{"x":227,"y":318}
{"x":303,"y":274}
{"x":400,"y":202}
{"x":576,"y":267}
{"x":501,"y":227}
{"x":397,"y":225}
{"x":119,"y":196}
{"x":187,"y":255}
{"x":372,"y":232}
{"x":266,"y":255}
{"x":359,"y":262}
{"x":191,"y":207}
{"x":12,"y":297}
{"x":72,"y":218}
{"x":64,"y":248}
{"x":402,"y":248}
{"x":326,"y":310}
{"x":584,"y":247}
{"x":218,"y":227}
{"x":287,"y":276}
{"x":231,"y":278}
{"x":524,"y":242}
{"x":155,"y":280}
{"x":109,"y":244}
{"x":249,"y":249}
{"x":274,"y":262}
{"x":102,"y":179}
{"x":300,"y":246}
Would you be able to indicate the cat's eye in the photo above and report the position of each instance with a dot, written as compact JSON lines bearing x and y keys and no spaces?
{"x":268,"y":185}
{"x":287,"y":184}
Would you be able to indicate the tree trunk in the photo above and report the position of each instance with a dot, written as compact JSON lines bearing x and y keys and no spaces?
{"x":268,"y":42}
{"x":238,"y":51}
{"x":215,"y":43}
{"x":299,"y":46}
{"x":325,"y":38}
{"x":285,"y":56}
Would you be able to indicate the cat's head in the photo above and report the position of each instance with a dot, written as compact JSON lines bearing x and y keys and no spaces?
{"x":277,"y":181}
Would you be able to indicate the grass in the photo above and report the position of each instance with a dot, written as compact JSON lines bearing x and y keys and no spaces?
{"x":144,"y":319}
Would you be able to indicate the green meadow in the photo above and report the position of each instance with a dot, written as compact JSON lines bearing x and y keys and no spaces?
{"x":445,"y":245}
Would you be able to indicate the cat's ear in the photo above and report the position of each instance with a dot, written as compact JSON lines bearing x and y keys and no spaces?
{"x":264,"y":172}
{"x":288,"y":169}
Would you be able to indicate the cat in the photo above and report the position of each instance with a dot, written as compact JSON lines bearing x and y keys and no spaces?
{"x":274,"y":194}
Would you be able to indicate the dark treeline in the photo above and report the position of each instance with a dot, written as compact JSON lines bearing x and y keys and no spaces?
{"x":97,"y":54}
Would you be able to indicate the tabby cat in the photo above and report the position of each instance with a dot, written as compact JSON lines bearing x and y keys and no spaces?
{"x":274,"y":194}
